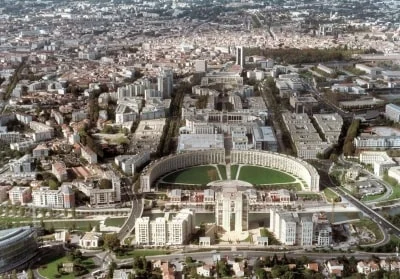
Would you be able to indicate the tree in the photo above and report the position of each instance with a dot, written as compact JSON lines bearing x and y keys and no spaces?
{"x":29,"y":274}
{"x":90,"y":227}
{"x":111,"y":241}
{"x":53,"y":184}
{"x":261,"y":274}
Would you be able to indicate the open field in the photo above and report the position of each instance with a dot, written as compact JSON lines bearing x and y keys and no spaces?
{"x":114,"y":222}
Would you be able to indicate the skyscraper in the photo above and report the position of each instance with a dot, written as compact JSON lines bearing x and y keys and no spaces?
{"x":240,"y":56}
{"x":165,"y":82}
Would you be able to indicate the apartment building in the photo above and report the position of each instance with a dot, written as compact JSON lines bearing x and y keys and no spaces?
{"x":59,"y":169}
{"x":392,"y":112}
{"x":165,"y":230}
{"x":20,"y":195}
{"x":63,"y":197}
{"x":130,"y":163}
{"x":291,"y":229}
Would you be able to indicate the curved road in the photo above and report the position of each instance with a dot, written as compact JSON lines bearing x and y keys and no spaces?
{"x":129,"y":225}
{"x":379,"y":219}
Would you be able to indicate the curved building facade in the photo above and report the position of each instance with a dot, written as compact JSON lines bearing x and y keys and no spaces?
{"x":282,"y":162}
{"x":17,"y":247}
{"x":178,"y":161}
{"x":286,"y":163}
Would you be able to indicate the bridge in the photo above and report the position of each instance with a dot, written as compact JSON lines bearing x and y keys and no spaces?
{"x":368,"y":211}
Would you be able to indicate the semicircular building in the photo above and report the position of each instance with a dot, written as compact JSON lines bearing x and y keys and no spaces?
{"x":295,"y":166}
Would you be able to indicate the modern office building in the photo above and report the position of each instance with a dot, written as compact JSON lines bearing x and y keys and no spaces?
{"x":167,"y":230}
{"x":165,"y":82}
{"x":17,"y":246}
{"x":232,"y":209}
{"x":240,"y":56}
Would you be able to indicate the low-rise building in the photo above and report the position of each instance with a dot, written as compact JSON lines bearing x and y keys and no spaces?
{"x":89,"y":240}
{"x":88,"y":154}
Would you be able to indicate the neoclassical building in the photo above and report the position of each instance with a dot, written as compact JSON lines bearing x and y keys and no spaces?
{"x":178,"y":161}
{"x":292,"y":165}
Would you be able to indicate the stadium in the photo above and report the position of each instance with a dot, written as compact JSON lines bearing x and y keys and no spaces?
{"x":259,"y":168}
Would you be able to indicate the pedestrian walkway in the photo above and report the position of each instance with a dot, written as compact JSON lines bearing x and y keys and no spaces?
{"x":228,"y":171}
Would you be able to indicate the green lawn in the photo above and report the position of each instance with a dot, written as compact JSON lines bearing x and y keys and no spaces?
{"x":234,"y":170}
{"x":50,"y":270}
{"x":139,"y":252}
{"x":194,"y":175}
{"x":75,"y":225}
{"x":222,"y":170}
{"x":114,"y":222}
{"x":371,"y":198}
{"x":261,"y":175}
{"x":330,"y":195}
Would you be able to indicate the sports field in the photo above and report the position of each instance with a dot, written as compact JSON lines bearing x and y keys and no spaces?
{"x":260,"y":175}
{"x":194,"y":175}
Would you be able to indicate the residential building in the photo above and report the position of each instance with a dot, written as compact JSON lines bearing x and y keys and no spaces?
{"x":130,"y":163}
{"x":88,"y":154}
{"x":20,"y":195}
{"x":63,"y":197}
{"x":240,"y":57}
{"x":22,"y":166}
{"x":380,"y":161}
{"x":165,"y":230}
{"x":59,"y":169}
{"x":40,"y":151}
{"x":392,"y":112}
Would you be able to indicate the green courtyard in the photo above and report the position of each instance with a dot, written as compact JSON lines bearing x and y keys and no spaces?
{"x":255,"y":175}
{"x":194,"y":175}
{"x":261,"y":175}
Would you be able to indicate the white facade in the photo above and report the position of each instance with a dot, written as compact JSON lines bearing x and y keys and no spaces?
{"x":20,"y":195}
{"x":164,"y":230}
{"x":129,"y":163}
{"x":232,"y":209}
{"x":392,"y":112}
{"x":165,"y":81}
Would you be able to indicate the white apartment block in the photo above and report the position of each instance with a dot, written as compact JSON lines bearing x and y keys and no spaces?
{"x":129,"y":163}
{"x":23,"y":118}
{"x":394,"y":172}
{"x":392,"y":112}
{"x":60,"y":198}
{"x":23,"y":145}
{"x":165,"y":230}
{"x":101,"y":196}
{"x":304,"y":136}
{"x":10,"y":137}
{"x":42,"y":131}
{"x":20,"y":195}
{"x":290,"y":229}
{"x":22,"y":166}
{"x":88,"y":154}
{"x":79,"y":115}
{"x":378,"y":159}
{"x":375,"y":141}
{"x":330,"y":125}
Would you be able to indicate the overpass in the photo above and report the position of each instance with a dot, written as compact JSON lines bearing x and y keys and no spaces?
{"x":371,"y":213}
{"x":136,"y":212}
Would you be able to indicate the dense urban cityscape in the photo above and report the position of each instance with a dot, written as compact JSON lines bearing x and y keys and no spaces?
{"x":199,"y":139}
